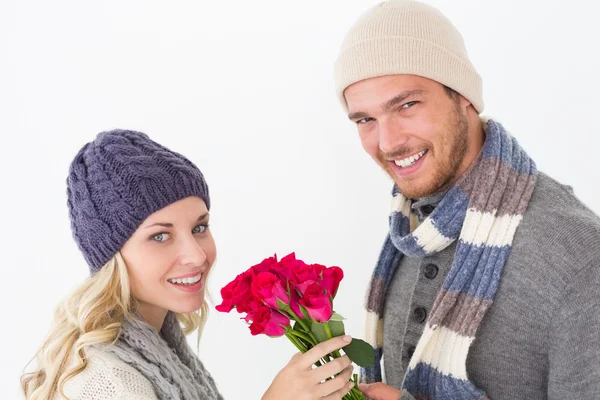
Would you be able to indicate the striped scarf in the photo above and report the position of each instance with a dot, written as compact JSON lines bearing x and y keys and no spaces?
{"x":482,"y":210}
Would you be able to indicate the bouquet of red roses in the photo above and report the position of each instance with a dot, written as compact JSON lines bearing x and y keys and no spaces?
{"x":289,"y":297}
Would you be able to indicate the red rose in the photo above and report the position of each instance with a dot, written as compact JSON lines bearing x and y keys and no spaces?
{"x":266,"y":265}
{"x":283,"y":271}
{"x":301,"y":287}
{"x":304,"y":273}
{"x":332,"y":277}
{"x":286,"y":266}
{"x":267,"y":287}
{"x":237,"y":293}
{"x":317,"y":303}
{"x":290,"y":281}
{"x":295,"y":302}
{"x":268,"y":321}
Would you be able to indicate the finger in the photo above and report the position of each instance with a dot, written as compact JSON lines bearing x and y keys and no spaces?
{"x":380,"y":391}
{"x":337,"y":383}
{"x":363,"y":387}
{"x":338,"y":395}
{"x":331,"y":368}
{"x":320,"y":350}
{"x":295,"y":357}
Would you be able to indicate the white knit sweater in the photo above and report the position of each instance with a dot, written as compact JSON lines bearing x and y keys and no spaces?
{"x":106,"y":377}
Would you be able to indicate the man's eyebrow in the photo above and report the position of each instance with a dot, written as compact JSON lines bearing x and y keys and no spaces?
{"x":388,"y":105}
{"x":400,"y":98}
{"x":357,"y":115}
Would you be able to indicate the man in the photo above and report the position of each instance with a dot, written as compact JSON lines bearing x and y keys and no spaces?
{"x":487,"y":284}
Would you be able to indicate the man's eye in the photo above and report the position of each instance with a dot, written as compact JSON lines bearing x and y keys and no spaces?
{"x":364,"y":120}
{"x":409,"y":104}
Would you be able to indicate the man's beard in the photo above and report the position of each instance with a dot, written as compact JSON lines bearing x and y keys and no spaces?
{"x":455,"y":138}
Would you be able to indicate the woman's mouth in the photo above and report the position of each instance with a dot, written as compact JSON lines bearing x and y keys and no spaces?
{"x":189,"y":283}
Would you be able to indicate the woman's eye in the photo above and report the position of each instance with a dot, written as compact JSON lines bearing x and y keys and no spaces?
{"x":200,"y":228}
{"x":160,"y":237}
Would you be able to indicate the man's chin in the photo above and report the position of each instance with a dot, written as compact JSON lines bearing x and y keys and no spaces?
{"x":414,"y":189}
{"x":415,"y":193}
{"x":411,"y":187}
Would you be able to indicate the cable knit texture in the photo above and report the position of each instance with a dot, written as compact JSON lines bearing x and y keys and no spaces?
{"x":116,"y":182}
{"x":106,"y":377}
{"x":144,"y":365}
{"x":407,"y":37}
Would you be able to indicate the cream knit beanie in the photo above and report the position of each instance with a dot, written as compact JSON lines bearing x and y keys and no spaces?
{"x":407,"y":37}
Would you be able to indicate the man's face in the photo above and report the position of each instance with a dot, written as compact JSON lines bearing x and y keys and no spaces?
{"x":415,"y":130}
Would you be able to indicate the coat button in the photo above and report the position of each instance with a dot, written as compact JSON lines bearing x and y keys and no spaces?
{"x":431,"y":271}
{"x":420,"y":314}
{"x":410,"y":351}
{"x":427,"y":210}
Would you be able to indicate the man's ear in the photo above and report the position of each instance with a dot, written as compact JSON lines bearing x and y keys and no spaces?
{"x":464,"y":103}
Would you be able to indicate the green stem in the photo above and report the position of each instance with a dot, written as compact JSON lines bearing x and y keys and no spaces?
{"x":354,"y":393}
{"x":298,"y":319}
{"x":296,"y":343}
{"x":302,"y":324}
{"x":303,"y":336}
{"x":328,"y":330}
{"x":357,"y":393}
{"x":336,"y":353}
{"x":299,"y":345}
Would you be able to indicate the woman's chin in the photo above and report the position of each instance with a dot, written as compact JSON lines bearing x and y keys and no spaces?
{"x":189,"y":307}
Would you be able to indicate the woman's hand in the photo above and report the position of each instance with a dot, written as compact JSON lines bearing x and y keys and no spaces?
{"x":299,"y":381}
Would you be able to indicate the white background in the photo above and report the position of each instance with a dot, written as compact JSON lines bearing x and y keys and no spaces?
{"x":245,"y":90}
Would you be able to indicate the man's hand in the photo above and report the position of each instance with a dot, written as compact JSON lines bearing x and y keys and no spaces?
{"x":379,"y":391}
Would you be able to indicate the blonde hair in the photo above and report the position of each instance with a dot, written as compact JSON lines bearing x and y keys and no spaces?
{"x":92,"y":314}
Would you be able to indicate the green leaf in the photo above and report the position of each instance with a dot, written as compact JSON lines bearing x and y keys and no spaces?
{"x":337,"y":328}
{"x":303,"y":309}
{"x":360,"y":352}
{"x":336,"y":317}
{"x":281,"y":304}
{"x":318,"y":329}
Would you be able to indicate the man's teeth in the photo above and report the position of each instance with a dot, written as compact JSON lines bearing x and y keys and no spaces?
{"x":409,"y":161}
{"x":186,"y":281}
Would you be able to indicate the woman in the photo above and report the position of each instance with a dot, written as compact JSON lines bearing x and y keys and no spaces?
{"x":140,"y":215}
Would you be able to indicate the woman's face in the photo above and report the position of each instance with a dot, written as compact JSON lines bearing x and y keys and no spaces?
{"x":168,"y":259}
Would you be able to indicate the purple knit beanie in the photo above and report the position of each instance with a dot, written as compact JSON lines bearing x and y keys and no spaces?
{"x":116,"y":182}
